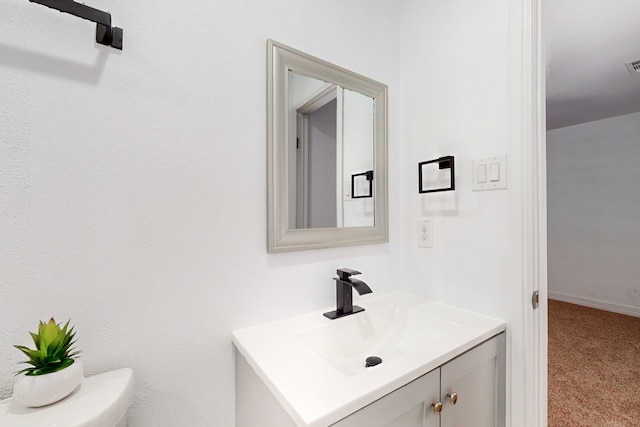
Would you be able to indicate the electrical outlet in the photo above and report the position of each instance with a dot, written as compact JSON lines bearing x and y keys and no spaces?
{"x":425,"y":233}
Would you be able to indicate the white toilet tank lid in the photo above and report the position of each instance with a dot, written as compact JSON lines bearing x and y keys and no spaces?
{"x":100,"y":401}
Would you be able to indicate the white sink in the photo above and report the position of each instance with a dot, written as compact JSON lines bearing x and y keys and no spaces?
{"x":315,"y":367}
{"x":390,"y":331}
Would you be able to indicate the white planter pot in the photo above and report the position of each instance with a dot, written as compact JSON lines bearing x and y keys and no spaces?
{"x":42,"y":390}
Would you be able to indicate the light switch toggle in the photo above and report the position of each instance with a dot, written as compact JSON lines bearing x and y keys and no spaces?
{"x":482,"y":173}
{"x":494,"y":172}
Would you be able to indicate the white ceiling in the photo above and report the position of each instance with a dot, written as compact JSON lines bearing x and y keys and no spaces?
{"x":587,"y":44}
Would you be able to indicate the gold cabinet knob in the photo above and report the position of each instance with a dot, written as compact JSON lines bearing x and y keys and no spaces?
{"x":453,"y":398}
{"x":437,"y":407}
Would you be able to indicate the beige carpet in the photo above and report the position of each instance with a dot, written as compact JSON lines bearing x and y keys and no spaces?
{"x":594,"y":367}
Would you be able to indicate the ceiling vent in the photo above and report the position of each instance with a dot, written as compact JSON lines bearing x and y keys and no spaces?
{"x":633,"y":67}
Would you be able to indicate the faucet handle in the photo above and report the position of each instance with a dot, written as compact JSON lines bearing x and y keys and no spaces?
{"x":345,"y":273}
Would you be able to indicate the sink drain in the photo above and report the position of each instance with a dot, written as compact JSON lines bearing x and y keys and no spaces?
{"x":372,"y":361}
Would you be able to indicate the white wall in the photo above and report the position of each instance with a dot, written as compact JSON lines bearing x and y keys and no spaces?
{"x":133,"y":185}
{"x":457,"y":98}
{"x":593,"y":199}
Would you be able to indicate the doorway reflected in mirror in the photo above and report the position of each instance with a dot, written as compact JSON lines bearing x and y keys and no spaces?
{"x":330,"y":137}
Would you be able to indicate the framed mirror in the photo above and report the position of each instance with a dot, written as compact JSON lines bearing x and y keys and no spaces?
{"x":327,"y":154}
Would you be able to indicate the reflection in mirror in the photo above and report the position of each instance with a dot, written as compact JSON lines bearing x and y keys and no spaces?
{"x":361,"y":185}
{"x":358,"y":136}
{"x":326,"y":126}
{"x":330,"y":137}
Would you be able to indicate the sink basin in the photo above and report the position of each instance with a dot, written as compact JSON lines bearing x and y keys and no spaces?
{"x":389,"y":332}
{"x":315,"y":367}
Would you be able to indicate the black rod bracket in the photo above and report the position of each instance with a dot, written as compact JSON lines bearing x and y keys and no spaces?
{"x":105,"y":33}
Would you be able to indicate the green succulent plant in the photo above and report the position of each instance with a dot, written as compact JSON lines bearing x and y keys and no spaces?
{"x":53,"y":350}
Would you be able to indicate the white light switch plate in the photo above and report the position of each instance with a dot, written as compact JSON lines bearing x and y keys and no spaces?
{"x":489,"y":173}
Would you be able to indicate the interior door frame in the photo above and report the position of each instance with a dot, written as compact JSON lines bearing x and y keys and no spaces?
{"x":307,"y":106}
{"x":529,"y":121}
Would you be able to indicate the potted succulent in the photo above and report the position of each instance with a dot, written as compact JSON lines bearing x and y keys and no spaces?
{"x":54,"y":373}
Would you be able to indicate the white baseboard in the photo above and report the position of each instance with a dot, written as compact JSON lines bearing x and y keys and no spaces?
{"x":600,"y":305}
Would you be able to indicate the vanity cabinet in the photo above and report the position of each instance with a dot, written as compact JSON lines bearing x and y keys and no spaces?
{"x":466,"y":391}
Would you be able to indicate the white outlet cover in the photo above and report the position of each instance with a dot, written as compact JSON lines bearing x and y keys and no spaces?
{"x":424,"y":233}
{"x":489,"y":173}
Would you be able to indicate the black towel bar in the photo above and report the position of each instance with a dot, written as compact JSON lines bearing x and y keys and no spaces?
{"x":105,"y":33}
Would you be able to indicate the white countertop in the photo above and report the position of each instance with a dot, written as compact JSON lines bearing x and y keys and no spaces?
{"x":318,"y":386}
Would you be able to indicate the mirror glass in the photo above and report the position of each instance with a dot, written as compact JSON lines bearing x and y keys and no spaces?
{"x":327,"y":154}
{"x":330,"y":140}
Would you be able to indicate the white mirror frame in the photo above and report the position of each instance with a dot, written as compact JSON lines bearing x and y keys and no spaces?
{"x":280,"y":238}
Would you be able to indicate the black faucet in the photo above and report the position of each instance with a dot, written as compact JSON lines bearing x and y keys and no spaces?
{"x":344,"y":295}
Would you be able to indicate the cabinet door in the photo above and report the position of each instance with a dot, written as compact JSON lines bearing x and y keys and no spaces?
{"x":409,"y":406}
{"x":477,"y":378}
